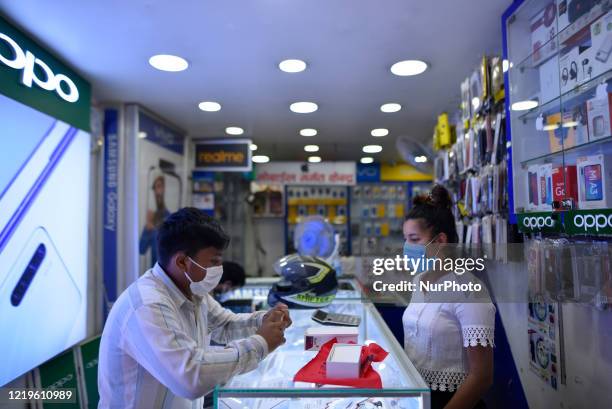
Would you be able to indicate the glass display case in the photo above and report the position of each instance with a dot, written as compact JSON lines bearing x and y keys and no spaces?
{"x":559,"y":104}
{"x":271,"y":385}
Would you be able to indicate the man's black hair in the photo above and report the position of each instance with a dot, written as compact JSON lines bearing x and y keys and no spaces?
{"x":234,"y":273}
{"x":188,"y":230}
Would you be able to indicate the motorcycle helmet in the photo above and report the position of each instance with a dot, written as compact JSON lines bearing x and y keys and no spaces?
{"x":306,"y":282}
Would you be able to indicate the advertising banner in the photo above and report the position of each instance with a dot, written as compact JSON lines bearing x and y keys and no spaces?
{"x":402,"y":173}
{"x":298,"y":173}
{"x":34,"y":77}
{"x":547,"y":222}
{"x":89,"y":357}
{"x":589,"y":221}
{"x":224,"y":155}
{"x":60,"y":373}
{"x":368,"y":173}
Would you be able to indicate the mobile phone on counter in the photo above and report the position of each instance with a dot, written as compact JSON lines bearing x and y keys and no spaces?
{"x":330,"y":318}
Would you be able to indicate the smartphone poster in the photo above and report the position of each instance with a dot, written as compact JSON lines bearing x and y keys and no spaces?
{"x":44,"y":213}
{"x":160,"y":182}
{"x":593,"y":182}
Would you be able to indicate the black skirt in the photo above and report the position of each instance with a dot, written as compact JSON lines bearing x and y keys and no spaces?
{"x":439,"y":400}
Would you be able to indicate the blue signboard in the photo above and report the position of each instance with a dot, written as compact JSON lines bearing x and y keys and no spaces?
{"x":110,"y":200}
{"x":154,"y":131}
{"x":368,"y":173}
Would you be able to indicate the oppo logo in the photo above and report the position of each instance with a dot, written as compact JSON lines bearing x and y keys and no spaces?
{"x":26,"y":61}
{"x":538,"y":222}
{"x":588,"y":221}
{"x":61,"y":382}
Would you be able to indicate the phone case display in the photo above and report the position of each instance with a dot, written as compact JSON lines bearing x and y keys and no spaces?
{"x":560,"y":77}
{"x":329,"y":202}
{"x":271,"y":384}
{"x":377,"y":216}
{"x":474,"y":168}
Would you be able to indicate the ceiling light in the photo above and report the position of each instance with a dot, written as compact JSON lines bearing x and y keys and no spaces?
{"x":234,"y":130}
{"x":380,"y":132}
{"x":308,"y":132}
{"x":366,"y":159}
{"x":372,"y":148}
{"x":253,"y":147}
{"x":292,"y":66}
{"x":303,"y":107}
{"x":209,"y":106}
{"x":260,"y":159}
{"x":408,"y":67}
{"x":420,"y":159}
{"x":570,"y":124}
{"x":390,"y":107}
{"x":314,"y":159}
{"x":142,"y":135}
{"x":311,"y":148}
{"x":166,"y":62}
{"x":550,"y":127}
{"x":524,"y":105}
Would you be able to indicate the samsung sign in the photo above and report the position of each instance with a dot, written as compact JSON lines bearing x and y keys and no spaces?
{"x":33,"y":76}
{"x":26,"y":61}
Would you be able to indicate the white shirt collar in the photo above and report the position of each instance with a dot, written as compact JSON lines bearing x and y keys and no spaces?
{"x":176,"y":294}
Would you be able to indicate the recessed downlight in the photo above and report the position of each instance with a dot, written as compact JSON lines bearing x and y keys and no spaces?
{"x":390,"y":107}
{"x":260,"y":159}
{"x":292,"y":65}
{"x":253,"y":147}
{"x":142,"y":135}
{"x":372,"y":149}
{"x":420,"y":159}
{"x":308,"y":132}
{"x":234,"y":130}
{"x":311,"y":148}
{"x":379,"y":132}
{"x":303,"y":107}
{"x":314,"y":159}
{"x":524,"y":105}
{"x":408,"y":67}
{"x":167,"y":62}
{"x":209,"y":106}
{"x":366,"y":160}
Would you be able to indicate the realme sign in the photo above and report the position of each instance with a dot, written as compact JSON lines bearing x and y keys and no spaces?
{"x":32,"y":76}
{"x":224,"y":155}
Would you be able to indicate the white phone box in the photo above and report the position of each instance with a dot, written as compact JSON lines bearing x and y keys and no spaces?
{"x":594,"y":181}
{"x":315,"y":337}
{"x":343,"y":361}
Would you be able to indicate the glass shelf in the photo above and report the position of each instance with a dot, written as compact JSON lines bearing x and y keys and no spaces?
{"x":576,"y":96}
{"x":271,"y":384}
{"x":548,"y":157}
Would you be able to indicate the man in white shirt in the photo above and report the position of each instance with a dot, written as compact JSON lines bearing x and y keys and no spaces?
{"x":155,"y":350}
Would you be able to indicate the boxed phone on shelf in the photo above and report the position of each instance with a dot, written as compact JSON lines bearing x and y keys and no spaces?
{"x":594,"y":181}
{"x":344,"y":361}
{"x":565,"y":185}
{"x":543,"y":31}
{"x":599,"y":111}
{"x":545,"y":187}
{"x":315,"y":337}
{"x":533,"y":191}
{"x":601,"y":43}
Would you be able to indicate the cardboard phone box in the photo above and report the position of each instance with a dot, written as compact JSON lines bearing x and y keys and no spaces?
{"x":599,"y":111}
{"x":594,"y":181}
{"x":533,"y":189}
{"x":545,"y":187}
{"x":565,"y":184}
{"x":315,"y":337}
{"x":343,"y":361}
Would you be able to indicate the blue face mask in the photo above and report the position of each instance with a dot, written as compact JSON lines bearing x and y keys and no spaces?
{"x":417,"y":253}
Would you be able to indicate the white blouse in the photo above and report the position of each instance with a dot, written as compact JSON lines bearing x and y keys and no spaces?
{"x":437,"y":333}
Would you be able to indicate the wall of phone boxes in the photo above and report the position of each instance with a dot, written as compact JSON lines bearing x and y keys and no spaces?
{"x":471,"y":159}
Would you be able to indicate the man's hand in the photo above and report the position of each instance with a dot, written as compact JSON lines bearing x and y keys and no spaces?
{"x":149,"y":221}
{"x":284,"y":310}
{"x":273,"y":329}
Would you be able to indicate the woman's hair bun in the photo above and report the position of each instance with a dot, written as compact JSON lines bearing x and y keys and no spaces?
{"x":440,"y":197}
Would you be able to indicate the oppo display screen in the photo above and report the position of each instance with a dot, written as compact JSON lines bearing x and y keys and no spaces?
{"x":44,"y":194}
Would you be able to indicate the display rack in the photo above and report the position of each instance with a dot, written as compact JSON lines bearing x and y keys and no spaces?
{"x":332,"y":203}
{"x":471,"y":159}
{"x":559,"y":109}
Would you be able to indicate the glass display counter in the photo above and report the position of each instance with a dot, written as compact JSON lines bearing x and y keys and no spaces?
{"x":271,"y":385}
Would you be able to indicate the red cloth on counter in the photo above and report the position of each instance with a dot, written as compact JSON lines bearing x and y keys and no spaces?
{"x":314,"y":371}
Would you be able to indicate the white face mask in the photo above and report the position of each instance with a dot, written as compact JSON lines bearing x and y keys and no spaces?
{"x":212,"y":279}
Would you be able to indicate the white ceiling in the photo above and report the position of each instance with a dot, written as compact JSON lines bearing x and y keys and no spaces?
{"x":233,"y":48}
